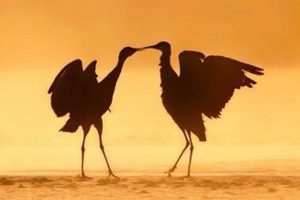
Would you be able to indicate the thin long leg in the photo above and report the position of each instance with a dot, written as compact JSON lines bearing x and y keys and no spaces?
{"x":191,"y":153}
{"x":85,"y":133}
{"x":99,"y":127}
{"x":183,"y":150}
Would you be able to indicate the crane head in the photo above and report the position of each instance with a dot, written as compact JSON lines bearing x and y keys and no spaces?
{"x":127,"y":51}
{"x":162,"y":46}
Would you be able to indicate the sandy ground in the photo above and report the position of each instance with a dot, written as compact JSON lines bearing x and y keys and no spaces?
{"x":151,"y":187}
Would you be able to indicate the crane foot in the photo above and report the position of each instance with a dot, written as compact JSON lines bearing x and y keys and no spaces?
{"x":169,"y":172}
{"x":110,"y":173}
{"x":188,"y":176}
{"x":83,"y":177}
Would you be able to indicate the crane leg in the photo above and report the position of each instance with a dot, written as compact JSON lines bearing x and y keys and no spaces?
{"x":183,"y":150}
{"x":191,"y":153}
{"x":85,"y":133}
{"x":99,"y":127}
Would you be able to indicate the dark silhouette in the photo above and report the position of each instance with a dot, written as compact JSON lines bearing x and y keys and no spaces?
{"x":204,"y":86}
{"x":78,"y":92}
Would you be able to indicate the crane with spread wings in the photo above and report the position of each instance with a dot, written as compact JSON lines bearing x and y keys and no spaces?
{"x":204,"y":86}
{"x":77,"y":92}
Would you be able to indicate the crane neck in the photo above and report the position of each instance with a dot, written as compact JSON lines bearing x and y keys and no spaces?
{"x":165,"y":59}
{"x":111,"y":79}
{"x":167,"y":74}
{"x":118,"y":68}
{"x":121,"y":61}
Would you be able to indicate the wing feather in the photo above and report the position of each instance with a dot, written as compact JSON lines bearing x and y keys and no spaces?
{"x":63,"y":87}
{"x":212,"y":83}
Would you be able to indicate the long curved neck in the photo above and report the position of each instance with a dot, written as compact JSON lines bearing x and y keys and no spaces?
{"x":165,"y":59}
{"x":167,"y":74}
{"x":109,"y":82}
{"x":112,"y":78}
{"x":106,"y":87}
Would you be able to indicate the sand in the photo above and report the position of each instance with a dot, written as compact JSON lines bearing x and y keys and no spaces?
{"x":150,"y":187}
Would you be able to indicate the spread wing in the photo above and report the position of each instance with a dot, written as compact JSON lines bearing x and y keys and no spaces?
{"x":64,"y":86}
{"x":85,"y":93}
{"x":212,"y":83}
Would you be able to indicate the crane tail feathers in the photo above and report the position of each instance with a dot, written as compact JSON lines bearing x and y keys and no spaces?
{"x":201,"y":136}
{"x":200,"y":133}
{"x":70,"y":126}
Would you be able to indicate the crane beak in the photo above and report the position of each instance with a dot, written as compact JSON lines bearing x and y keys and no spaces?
{"x":138,"y":49}
{"x":144,"y":48}
{"x":149,"y":47}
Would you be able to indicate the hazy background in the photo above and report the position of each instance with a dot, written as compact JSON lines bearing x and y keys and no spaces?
{"x":39,"y":37}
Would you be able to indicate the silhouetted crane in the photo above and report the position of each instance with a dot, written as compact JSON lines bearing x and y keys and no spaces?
{"x":78,"y":92}
{"x":204,"y":86}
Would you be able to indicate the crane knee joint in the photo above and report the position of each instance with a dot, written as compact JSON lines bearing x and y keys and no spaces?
{"x":187,"y":144}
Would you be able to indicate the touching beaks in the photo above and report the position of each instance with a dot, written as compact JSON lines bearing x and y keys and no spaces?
{"x":140,"y":49}
{"x":143,"y":48}
{"x":149,"y":47}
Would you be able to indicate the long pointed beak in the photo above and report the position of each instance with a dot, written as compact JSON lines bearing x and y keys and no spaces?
{"x":149,"y":47}
{"x":144,"y":48}
{"x":139,"y":49}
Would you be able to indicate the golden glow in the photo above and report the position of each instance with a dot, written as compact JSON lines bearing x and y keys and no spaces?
{"x":39,"y":37}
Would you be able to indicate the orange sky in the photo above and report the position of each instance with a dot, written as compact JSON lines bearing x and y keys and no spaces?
{"x":39,"y":37}
{"x":49,"y":33}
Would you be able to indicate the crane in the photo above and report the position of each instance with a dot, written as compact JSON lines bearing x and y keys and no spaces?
{"x":77,"y":92}
{"x":204,"y":86}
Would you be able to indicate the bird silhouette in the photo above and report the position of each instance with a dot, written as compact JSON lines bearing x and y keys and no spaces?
{"x":204,"y":86}
{"x":77,"y":92}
